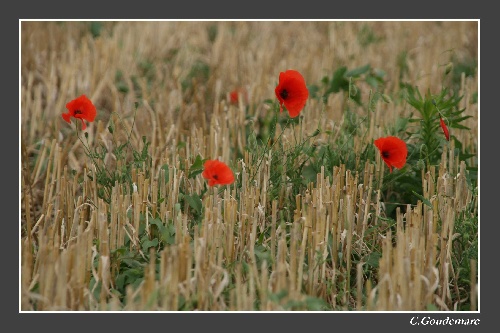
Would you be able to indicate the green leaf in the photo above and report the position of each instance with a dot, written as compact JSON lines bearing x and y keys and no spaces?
{"x":95,"y":28}
{"x":457,"y":120}
{"x":181,"y":144}
{"x":338,"y":81}
{"x":277,"y":297}
{"x":379,"y":73}
{"x":194,"y":202}
{"x":373,"y":259}
{"x":358,"y":71}
{"x":149,"y":243}
{"x":431,"y":307}
{"x":315,"y":303}
{"x":97,"y":289}
{"x":309,"y":173}
{"x":131,"y":263}
{"x":313,"y":90}
{"x":168,"y":234}
{"x":120,"y":281}
{"x":401,"y":124}
{"x":474,"y":98}
{"x":195,"y":173}
{"x":165,"y":167}
{"x":198,"y":163}
{"x":196,"y":168}
{"x":158,"y":223}
{"x":459,"y":126}
{"x":465,"y":156}
{"x":137,"y":282}
{"x":372,"y":81}
{"x":424,"y":200}
{"x":262,"y":254}
{"x":386,"y":219}
{"x":120,"y":251}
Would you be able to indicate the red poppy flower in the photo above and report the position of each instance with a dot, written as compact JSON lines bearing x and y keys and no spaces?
{"x":234,"y":95}
{"x":393,"y":151}
{"x":80,"y":108}
{"x":292,"y":92}
{"x":217,"y":173}
{"x":445,"y":129}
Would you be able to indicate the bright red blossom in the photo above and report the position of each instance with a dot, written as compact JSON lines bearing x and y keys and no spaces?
{"x":292,"y":92}
{"x":445,"y":129}
{"x":393,"y":151}
{"x":217,"y":173}
{"x":80,"y":108}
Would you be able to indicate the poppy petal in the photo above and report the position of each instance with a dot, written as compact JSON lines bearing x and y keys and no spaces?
{"x":295,"y":105}
{"x":209,"y":164}
{"x":225,"y":176}
{"x":84,"y":126}
{"x":277,"y":91}
{"x":67,"y":116}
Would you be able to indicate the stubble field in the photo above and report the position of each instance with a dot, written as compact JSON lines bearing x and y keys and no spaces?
{"x":119,"y":216}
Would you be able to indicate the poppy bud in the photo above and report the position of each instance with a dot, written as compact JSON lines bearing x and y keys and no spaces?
{"x":448,"y":68}
{"x":445,"y":129}
{"x":386,"y":98}
{"x":420,"y":164}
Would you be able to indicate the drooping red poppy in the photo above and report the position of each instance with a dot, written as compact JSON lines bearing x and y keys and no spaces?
{"x":80,"y":108}
{"x":445,"y":129}
{"x":292,"y":92}
{"x":393,"y":151}
{"x":217,"y":173}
